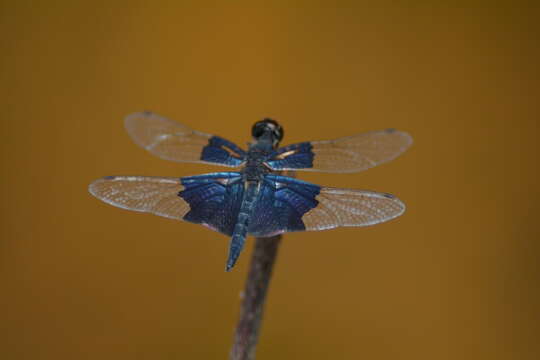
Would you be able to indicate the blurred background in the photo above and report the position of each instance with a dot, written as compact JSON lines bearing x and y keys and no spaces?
{"x":456,"y":277}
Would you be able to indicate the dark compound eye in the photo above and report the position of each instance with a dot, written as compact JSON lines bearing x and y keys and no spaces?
{"x":267,"y":125}
{"x":277,"y":129}
{"x":258,"y":129}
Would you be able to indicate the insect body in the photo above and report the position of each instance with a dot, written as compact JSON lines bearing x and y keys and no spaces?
{"x":255,"y":200}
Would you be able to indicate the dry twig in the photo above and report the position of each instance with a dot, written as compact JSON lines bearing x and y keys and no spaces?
{"x":251,"y":312}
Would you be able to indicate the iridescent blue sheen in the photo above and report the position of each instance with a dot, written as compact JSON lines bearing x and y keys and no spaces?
{"x":226,"y":201}
{"x":296,"y":156}
{"x":221,"y":151}
{"x":281,"y":204}
{"x":214,"y":200}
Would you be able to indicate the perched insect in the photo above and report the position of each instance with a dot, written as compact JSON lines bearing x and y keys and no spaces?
{"x":255,"y":200}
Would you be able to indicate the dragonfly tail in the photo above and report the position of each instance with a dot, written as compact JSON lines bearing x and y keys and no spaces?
{"x":241,"y":228}
{"x":236,"y":246}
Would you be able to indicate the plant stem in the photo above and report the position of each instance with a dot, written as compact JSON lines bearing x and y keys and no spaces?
{"x":251,"y":311}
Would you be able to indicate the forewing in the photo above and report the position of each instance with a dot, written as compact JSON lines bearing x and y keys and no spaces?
{"x":212,"y":200}
{"x":287,"y":204}
{"x":344,"y":155}
{"x":170,"y":140}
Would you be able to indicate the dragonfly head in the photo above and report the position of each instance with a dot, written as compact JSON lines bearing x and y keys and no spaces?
{"x":267,"y":130}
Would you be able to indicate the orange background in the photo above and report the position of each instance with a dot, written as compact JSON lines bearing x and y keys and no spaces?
{"x":456,"y":277}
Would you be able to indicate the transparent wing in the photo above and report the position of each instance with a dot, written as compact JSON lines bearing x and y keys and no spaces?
{"x":151,"y":194}
{"x":344,"y":155}
{"x":286,"y":204}
{"x":170,"y":140}
{"x":212,"y":200}
{"x":348,"y":207}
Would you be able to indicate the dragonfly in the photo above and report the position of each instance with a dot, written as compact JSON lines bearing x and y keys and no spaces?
{"x":256,"y":199}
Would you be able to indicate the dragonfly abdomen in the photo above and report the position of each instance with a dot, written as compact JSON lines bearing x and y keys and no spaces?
{"x":241,"y":228}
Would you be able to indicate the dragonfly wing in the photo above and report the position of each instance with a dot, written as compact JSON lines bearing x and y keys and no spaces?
{"x":280,"y":205}
{"x":170,"y":140}
{"x":151,"y":194}
{"x":212,"y":200}
{"x":344,"y":155}
{"x":286,"y":204}
{"x":349,"y":207}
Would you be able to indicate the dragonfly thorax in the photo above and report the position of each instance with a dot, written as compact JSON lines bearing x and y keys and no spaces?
{"x":255,"y":169}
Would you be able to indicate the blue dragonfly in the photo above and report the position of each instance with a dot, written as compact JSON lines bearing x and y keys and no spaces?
{"x":256,"y":199}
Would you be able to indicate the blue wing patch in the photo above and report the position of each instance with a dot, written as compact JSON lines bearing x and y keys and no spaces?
{"x":282,"y":202}
{"x":221,"y":151}
{"x":214,"y":200}
{"x":295,"y":156}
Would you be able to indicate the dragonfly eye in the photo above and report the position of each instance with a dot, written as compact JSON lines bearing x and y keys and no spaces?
{"x":266,"y":126}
